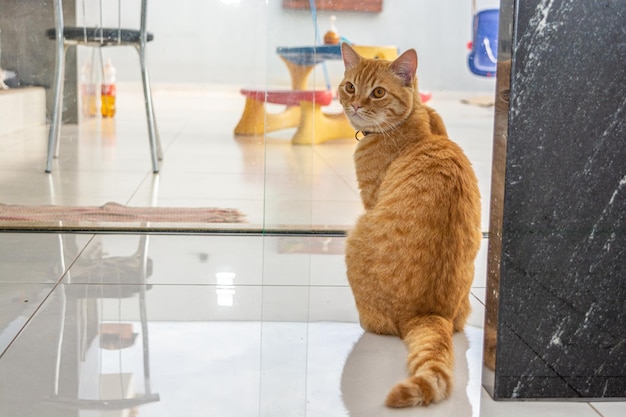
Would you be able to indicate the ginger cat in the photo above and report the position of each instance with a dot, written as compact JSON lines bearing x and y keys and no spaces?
{"x":410,"y":256}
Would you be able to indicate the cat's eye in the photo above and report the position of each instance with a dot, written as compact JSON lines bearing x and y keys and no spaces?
{"x":350,"y":87}
{"x":379,"y":92}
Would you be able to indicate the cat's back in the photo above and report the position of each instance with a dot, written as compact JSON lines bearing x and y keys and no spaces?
{"x":434,"y":155}
{"x":433,"y":178}
{"x":430,"y":155}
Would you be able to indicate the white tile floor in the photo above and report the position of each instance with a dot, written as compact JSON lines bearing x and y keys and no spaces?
{"x":275,"y":184}
{"x":234,"y":325}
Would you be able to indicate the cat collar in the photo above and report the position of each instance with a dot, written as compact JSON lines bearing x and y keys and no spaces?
{"x":356,"y":135}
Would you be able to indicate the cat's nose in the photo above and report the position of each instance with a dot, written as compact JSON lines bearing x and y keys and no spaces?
{"x":356,"y":106}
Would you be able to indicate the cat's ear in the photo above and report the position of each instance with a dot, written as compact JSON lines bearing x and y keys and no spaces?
{"x":405,"y":66}
{"x":350,"y":57}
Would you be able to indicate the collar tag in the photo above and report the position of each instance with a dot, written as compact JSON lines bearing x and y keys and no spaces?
{"x":358,"y":132}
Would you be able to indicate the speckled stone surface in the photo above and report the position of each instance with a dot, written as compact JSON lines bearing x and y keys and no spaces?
{"x":557,"y":274}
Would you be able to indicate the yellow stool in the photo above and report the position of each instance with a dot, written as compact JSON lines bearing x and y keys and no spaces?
{"x":314,"y":126}
{"x":303,"y":106}
{"x":319,"y":127}
{"x":255,"y":120}
{"x":377,"y":52}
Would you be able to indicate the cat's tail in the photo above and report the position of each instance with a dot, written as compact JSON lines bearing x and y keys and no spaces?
{"x":430,"y":362}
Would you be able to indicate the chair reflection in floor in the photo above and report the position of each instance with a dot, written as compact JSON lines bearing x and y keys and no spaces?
{"x":95,"y":298}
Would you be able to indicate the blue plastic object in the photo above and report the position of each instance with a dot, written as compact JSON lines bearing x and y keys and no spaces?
{"x":484,"y":53}
{"x":309,"y":55}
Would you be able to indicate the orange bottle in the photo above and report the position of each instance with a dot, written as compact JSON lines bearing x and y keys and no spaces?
{"x":109,"y":90}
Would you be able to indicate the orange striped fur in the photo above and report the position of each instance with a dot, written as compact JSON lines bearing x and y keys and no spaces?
{"x":410,"y":256}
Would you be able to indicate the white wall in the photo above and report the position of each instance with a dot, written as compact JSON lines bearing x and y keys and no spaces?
{"x":233,"y":41}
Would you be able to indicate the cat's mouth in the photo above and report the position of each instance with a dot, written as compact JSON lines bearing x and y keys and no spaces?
{"x":362,"y":124}
{"x":359,"y":119}
{"x":356,"y":116}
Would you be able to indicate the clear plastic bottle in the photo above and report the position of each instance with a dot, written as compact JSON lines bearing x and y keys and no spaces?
{"x":109,"y":90}
{"x":88,"y":92}
{"x":332,"y":35}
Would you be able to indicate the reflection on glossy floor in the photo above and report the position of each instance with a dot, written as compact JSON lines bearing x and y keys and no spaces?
{"x":173,"y":325}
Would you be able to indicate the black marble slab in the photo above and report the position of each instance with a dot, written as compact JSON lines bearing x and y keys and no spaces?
{"x":556,"y":298}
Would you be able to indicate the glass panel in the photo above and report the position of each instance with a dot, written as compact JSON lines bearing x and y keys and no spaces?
{"x":202,"y":55}
{"x":272,"y":287}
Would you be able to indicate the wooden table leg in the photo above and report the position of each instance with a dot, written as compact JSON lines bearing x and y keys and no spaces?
{"x":299,"y":74}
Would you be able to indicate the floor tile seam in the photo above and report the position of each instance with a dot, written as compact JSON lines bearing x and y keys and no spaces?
{"x":45,"y":299}
{"x":176,"y":137}
{"x":139,"y":187}
{"x":69,"y":266}
{"x":28,"y":320}
{"x":338,"y":174}
{"x":475,"y":296}
{"x":595,"y":409}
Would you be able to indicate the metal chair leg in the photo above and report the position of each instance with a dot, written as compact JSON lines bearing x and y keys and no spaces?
{"x":57,"y":109}
{"x":155,"y":142}
{"x":59,"y":105}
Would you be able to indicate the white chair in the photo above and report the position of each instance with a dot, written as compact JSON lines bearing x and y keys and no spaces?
{"x":99,"y":37}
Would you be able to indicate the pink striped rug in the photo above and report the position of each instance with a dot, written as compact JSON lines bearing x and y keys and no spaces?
{"x":114,"y":213}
